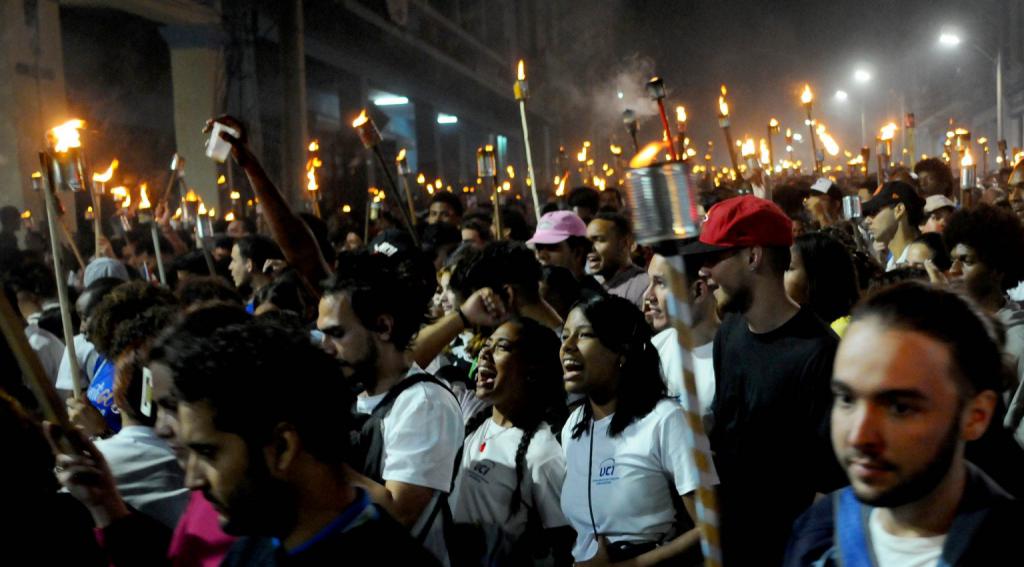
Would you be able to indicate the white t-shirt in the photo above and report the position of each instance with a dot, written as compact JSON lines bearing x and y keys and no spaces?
{"x":896,"y":551}
{"x":631,"y":475}
{"x":86,"y":354}
{"x":487,"y":479}
{"x":48,"y":348}
{"x":672,"y":371}
{"x":422,"y":432}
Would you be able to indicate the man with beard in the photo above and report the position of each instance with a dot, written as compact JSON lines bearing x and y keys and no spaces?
{"x":916,"y":378}
{"x":371,"y":309}
{"x":772,"y":362}
{"x":271,"y":460}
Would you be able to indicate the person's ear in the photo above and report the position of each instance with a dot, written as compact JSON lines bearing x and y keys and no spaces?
{"x":755,"y":257}
{"x":977,"y":415}
{"x":385,"y":325}
{"x":899,"y":211}
{"x":248,"y":266}
{"x":509,"y":294}
{"x":283,"y":450}
{"x":699,"y":289}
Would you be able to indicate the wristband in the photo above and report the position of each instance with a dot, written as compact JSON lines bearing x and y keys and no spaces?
{"x":465,"y":320}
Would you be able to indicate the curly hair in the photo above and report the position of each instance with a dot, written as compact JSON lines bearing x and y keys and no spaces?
{"x":122,"y":304}
{"x":997,"y":237}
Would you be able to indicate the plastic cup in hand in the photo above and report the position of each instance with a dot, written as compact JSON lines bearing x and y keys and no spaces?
{"x":218,"y":148}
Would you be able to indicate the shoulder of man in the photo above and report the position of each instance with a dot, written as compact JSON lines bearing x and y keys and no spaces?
{"x":249,"y":551}
{"x":813,"y":535}
{"x":383,"y":541}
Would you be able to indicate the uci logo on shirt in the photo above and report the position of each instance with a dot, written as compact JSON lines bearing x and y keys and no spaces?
{"x":605,"y":472}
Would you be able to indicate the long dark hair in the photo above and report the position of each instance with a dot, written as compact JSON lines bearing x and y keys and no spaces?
{"x":831,"y":278}
{"x":621,"y":327}
{"x":545,"y":394}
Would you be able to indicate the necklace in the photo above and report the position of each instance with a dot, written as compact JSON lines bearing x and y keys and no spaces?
{"x":487,"y":427}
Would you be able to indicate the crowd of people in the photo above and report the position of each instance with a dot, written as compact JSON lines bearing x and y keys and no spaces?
{"x":295,"y":395}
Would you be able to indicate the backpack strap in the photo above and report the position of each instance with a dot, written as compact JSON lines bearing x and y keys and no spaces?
{"x":850,"y":536}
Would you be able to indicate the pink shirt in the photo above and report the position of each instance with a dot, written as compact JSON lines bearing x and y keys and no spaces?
{"x":198,"y":539}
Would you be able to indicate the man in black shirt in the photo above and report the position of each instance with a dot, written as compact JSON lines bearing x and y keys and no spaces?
{"x":267,"y":445}
{"x":773,"y":363}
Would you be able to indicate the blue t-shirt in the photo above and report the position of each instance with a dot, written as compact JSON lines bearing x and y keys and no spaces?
{"x":101,"y":393}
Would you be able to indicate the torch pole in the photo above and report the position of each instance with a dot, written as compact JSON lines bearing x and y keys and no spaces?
{"x":814,"y":143}
{"x":408,"y":197}
{"x":498,"y":233}
{"x":730,"y":146}
{"x":668,"y":132}
{"x":394,"y":187}
{"x":771,"y":151}
{"x":529,"y":159}
{"x":77,"y":383}
{"x":707,"y":502}
{"x":97,"y":219}
{"x":155,"y":234}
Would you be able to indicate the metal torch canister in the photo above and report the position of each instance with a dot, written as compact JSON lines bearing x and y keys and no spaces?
{"x":851,"y":207}
{"x":368,"y":133}
{"x":661,"y":199}
{"x":486,"y":165}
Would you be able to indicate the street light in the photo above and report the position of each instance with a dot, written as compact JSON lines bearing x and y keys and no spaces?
{"x":842,"y":95}
{"x":950,"y":39}
{"x":861,"y":76}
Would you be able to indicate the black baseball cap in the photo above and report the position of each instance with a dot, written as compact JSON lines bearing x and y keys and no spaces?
{"x":892,"y":194}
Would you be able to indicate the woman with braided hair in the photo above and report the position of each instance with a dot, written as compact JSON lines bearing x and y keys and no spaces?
{"x":506,"y":495}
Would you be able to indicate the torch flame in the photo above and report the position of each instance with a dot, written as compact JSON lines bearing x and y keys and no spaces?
{"x":560,"y":191}
{"x":511,"y":172}
{"x":222,"y":180}
{"x":521,"y":74}
{"x":401,"y":155}
{"x":888,"y":131}
{"x":616,"y":150}
{"x":773,"y":123}
{"x":748,"y":148}
{"x":230,"y":217}
{"x":314,"y":146}
{"x":191,"y":196}
{"x":967,"y":160}
{"x":961,"y":131}
{"x":235,"y":195}
{"x":361,"y":119}
{"x":724,"y":92}
{"x":346,"y":208}
{"x":67,"y":135}
{"x":807,"y":96}
{"x":489,"y":148}
{"x":311,"y":179}
{"x":680,"y":114}
{"x":202,"y":208}
{"x":119,"y":193}
{"x":106,"y":175}
{"x":438,"y":184}
{"x":37,"y":175}
{"x":421,"y":179}
{"x":144,"y":197}
{"x":766,"y":157}
{"x":830,"y":143}
{"x":127,"y":203}
{"x":723,"y":107}
{"x":27,"y":214}
{"x":647,"y":156}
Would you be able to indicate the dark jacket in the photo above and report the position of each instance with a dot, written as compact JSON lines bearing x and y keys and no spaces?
{"x":984,"y":531}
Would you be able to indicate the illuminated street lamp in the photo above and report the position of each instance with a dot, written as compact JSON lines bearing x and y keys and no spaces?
{"x":950,"y":39}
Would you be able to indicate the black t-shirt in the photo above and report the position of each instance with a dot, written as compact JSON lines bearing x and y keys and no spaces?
{"x":376,"y":540}
{"x":770,"y":438}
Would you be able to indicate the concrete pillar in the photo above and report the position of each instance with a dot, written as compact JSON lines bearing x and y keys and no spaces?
{"x":32,"y":97}
{"x":294,"y":135}
{"x":197,"y":79}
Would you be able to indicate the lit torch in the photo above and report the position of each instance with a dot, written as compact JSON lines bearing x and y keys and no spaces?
{"x":884,"y":152}
{"x":807,"y":99}
{"x":522,"y":92}
{"x":312,"y":164}
{"x":99,"y":185}
{"x":62,"y":141}
{"x":968,"y":178}
{"x":370,"y":136}
{"x":773,"y":128}
{"x":723,"y":121}
{"x":402,"y":167}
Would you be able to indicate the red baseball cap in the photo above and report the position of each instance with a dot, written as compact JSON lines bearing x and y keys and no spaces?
{"x":742,"y":222}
